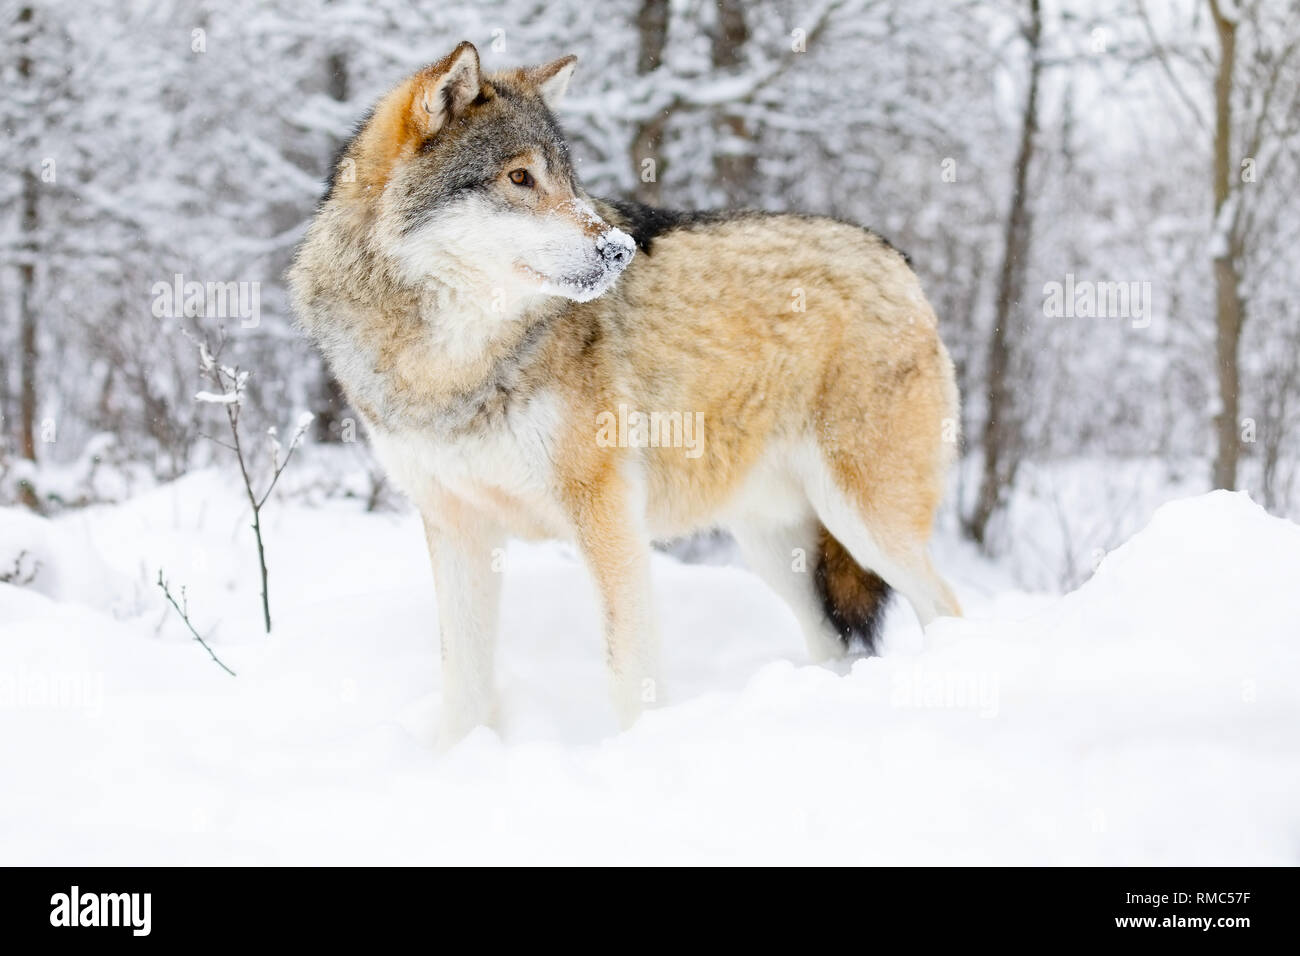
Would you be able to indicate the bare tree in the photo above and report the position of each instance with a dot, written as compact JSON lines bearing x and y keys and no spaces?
{"x":331,"y":403}
{"x":1230,"y":312}
{"x":652,"y":37}
{"x":1000,"y":438}
{"x":28,"y":355}
{"x":1281,"y":395}
{"x":1247,"y":69}
{"x":673,"y":82}
{"x":735,"y":163}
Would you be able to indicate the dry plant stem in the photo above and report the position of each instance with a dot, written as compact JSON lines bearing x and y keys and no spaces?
{"x":225,"y":381}
{"x":185,"y":616}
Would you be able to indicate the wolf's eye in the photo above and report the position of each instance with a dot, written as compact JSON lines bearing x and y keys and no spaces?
{"x":521,"y":177}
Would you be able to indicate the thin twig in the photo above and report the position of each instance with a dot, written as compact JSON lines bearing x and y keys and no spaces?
{"x":185,"y":616}
{"x":216,"y":441}
{"x":1163,"y":59}
{"x":16,"y":576}
{"x":293,"y":445}
{"x":229,"y":384}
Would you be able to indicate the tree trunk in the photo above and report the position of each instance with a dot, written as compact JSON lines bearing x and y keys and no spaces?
{"x":27,"y":347}
{"x":330,"y":404}
{"x":27,"y":354}
{"x":1229,"y":311}
{"x":652,"y":29}
{"x":735,"y":171}
{"x":29,"y":223}
{"x":1000,"y":434}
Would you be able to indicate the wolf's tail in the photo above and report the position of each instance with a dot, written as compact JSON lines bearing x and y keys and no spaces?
{"x":853,"y":597}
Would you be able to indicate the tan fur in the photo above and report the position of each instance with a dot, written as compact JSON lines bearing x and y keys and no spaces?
{"x":806,"y":344}
{"x":401,"y":121}
{"x":861,"y":369}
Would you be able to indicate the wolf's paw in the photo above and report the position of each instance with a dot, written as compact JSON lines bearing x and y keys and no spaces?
{"x":825,"y":646}
{"x":632,"y":696}
{"x":456,"y":723}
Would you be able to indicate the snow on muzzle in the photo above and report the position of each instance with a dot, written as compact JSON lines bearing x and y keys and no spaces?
{"x":590,"y":259}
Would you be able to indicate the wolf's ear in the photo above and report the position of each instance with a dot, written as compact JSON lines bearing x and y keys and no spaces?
{"x":444,"y":89}
{"x":412,"y":112}
{"x":552,"y":79}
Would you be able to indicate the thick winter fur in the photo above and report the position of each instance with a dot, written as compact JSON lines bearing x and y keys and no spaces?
{"x":489,"y":321}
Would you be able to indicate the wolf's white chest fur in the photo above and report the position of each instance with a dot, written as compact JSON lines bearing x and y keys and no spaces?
{"x":506,"y":468}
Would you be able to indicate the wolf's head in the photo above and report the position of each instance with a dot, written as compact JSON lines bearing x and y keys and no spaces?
{"x":469,"y":181}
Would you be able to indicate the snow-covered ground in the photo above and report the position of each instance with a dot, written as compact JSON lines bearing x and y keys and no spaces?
{"x":1150,"y":716}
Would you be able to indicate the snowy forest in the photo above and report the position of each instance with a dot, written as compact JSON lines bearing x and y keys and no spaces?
{"x":1142,"y":154}
{"x":1099,"y":196}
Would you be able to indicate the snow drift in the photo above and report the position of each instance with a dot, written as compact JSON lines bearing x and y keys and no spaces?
{"x":1150,"y":716}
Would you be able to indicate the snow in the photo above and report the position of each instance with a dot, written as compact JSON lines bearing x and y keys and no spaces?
{"x":212,"y":398}
{"x":1148,"y":717}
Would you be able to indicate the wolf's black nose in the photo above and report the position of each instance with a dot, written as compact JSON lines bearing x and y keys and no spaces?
{"x":615,"y":249}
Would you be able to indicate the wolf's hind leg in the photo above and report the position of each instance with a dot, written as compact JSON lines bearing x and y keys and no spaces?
{"x":468,"y":587}
{"x":890,"y":538}
{"x":786,"y":559}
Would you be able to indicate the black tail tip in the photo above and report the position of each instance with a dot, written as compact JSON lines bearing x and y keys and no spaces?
{"x":853,"y":598}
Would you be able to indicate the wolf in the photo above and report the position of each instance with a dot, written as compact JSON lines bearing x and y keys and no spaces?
{"x":487,"y":319}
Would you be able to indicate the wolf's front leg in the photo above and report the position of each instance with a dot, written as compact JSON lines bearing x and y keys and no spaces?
{"x":464,"y":548}
{"x":609,"y":520}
